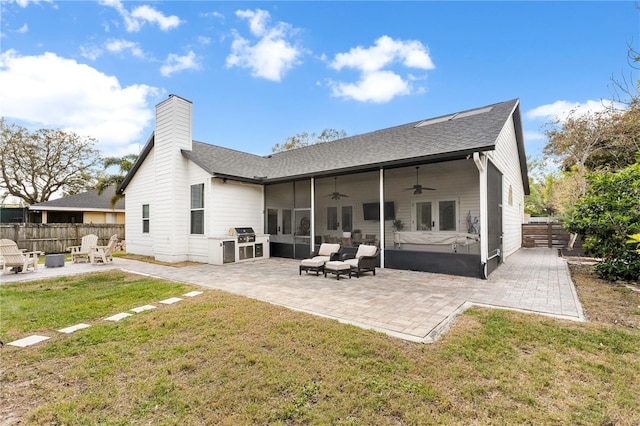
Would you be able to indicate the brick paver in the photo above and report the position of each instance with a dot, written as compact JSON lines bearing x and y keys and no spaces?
{"x":415,"y":306}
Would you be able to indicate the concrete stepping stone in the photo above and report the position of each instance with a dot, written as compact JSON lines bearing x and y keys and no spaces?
{"x":118,"y":317}
{"x":73,"y":328}
{"x":28,"y":341}
{"x":170,"y":301}
{"x":143,"y":308}
{"x":193,"y":294}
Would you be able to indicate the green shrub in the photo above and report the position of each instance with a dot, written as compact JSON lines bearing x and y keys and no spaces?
{"x":606,"y":216}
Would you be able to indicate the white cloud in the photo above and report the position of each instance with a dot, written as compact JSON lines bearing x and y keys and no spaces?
{"x":217,"y":15}
{"x":25,"y":3}
{"x":272,"y":55}
{"x":118,"y":46}
{"x":384,"y":52}
{"x":90,"y":52}
{"x":54,"y":92}
{"x":560,"y":110}
{"x":531,"y":136}
{"x":175,"y":63}
{"x":147,"y":13}
{"x":377,"y":84}
{"x":258,"y":20}
{"x":135,"y":19}
{"x":23,"y":29}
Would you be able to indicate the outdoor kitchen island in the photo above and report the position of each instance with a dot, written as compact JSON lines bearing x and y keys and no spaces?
{"x":241,"y":244}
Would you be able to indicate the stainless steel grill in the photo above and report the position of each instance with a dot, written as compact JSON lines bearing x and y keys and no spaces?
{"x":243,"y":234}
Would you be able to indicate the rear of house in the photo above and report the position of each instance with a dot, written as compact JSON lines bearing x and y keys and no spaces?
{"x":456,"y":183}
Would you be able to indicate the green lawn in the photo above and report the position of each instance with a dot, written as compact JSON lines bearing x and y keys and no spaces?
{"x":225,"y":359}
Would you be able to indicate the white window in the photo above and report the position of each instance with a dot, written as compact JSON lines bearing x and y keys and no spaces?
{"x":435,"y":215}
{"x":197,"y":208}
{"x":145,"y":218}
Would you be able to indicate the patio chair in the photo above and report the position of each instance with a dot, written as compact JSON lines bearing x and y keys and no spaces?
{"x":364,"y":260}
{"x":315,"y":263}
{"x":102,"y":254}
{"x":81,"y":252}
{"x":371,"y":239}
{"x":16,"y":260}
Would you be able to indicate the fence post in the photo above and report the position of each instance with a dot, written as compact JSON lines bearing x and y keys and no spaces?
{"x":549,"y":235}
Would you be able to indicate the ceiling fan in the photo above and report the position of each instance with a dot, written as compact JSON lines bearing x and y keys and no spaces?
{"x":417,"y":188}
{"x":335,"y":195}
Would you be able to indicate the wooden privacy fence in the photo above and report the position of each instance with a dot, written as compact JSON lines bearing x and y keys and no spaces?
{"x":57,"y":237}
{"x":552,"y":235}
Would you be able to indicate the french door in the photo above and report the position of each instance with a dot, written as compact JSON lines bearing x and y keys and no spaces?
{"x":339,"y":219}
{"x":279,"y":224}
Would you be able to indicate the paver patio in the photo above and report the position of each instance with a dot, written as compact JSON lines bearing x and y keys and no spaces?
{"x":415,"y":306}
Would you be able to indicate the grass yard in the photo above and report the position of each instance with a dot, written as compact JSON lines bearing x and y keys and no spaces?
{"x":225,"y":359}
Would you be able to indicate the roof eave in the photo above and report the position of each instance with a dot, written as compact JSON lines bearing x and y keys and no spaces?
{"x":141,"y":157}
{"x":393,"y":164}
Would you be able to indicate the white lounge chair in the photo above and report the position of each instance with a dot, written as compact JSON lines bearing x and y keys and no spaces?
{"x":102,"y":254}
{"x":325,"y":253}
{"x":16,"y":260}
{"x":81,"y":252}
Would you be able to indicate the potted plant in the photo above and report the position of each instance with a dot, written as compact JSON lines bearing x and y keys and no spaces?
{"x":398,"y":225}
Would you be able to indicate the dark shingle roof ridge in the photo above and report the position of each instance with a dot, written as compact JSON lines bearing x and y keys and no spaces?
{"x":278,"y":155}
{"x":85,"y":201}
{"x":229,"y":149}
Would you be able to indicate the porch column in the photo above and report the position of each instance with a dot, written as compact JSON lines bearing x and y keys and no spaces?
{"x":313,"y":215}
{"x":381,"y":218}
{"x":481,"y":164}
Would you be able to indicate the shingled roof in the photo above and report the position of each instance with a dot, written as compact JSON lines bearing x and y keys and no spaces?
{"x":448,"y":137}
{"x":85,"y":201}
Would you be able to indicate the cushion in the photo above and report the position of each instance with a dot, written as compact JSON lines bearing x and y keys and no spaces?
{"x":365,"y":250}
{"x":352,"y":262}
{"x":322,"y":258}
{"x":314,"y":263}
{"x":326,"y":249}
{"x":337,"y":265}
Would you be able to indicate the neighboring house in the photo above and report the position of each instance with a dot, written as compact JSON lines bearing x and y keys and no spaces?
{"x":183,"y":196}
{"x":85,"y":207}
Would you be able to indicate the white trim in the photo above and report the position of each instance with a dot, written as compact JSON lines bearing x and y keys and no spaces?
{"x":481,"y":164}
{"x":381,"y":194}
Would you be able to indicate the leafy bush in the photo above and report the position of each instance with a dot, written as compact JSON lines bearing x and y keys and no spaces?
{"x":606,"y":216}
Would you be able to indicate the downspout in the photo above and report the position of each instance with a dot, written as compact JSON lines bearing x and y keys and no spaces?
{"x":481,"y":163}
{"x":381,"y":218}
{"x":313,"y":215}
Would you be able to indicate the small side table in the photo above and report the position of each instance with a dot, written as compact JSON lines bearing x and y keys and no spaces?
{"x":54,"y":260}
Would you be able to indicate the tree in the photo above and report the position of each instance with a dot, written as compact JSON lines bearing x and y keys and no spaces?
{"x":304,"y":139}
{"x":37,"y":165}
{"x":574,"y":141}
{"x":124,"y":165}
{"x":606,"y":216}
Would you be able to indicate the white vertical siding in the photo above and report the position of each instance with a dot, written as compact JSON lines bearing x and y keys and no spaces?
{"x":172,"y":133}
{"x":141,"y":190}
{"x":198,"y":245}
{"x":506,"y":158}
{"x":235,"y":204}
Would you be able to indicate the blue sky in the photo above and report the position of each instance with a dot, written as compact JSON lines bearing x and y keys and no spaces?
{"x":258,"y":72}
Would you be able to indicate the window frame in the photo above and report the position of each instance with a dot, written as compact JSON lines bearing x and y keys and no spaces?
{"x":146,"y":219}
{"x":196,"y":211}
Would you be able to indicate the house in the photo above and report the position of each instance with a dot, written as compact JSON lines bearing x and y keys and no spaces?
{"x":456,"y":182}
{"x":85,"y":207}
